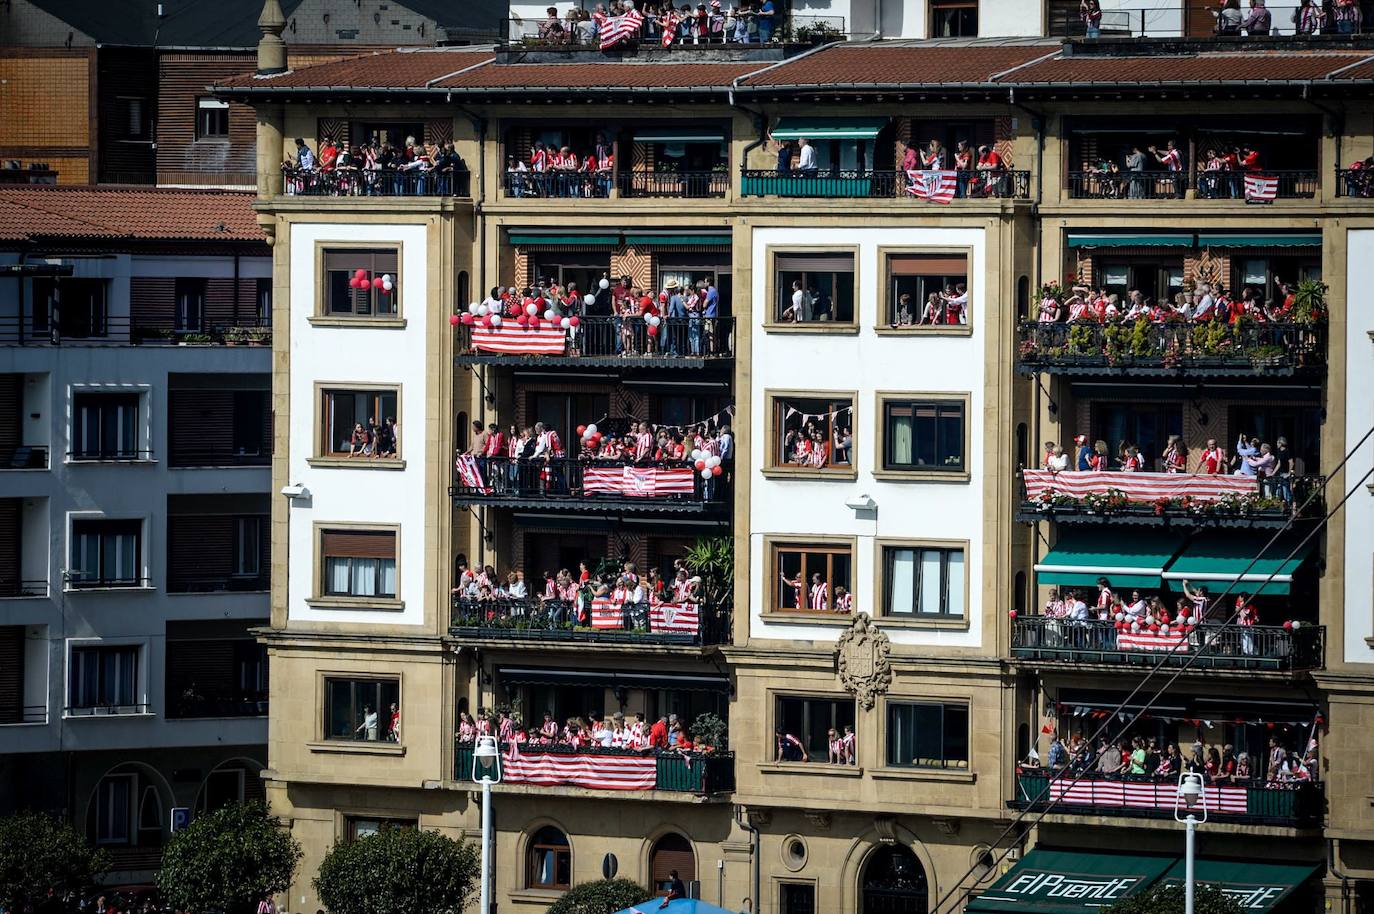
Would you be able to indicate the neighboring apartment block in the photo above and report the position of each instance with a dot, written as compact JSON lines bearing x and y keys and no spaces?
{"x":135,"y":438}
{"x":888,"y":349}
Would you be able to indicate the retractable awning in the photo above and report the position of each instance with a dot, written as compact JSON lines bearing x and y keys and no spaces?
{"x":1218,"y":559}
{"x":1257,"y":887}
{"x":563,"y":238}
{"x":1123,"y":240}
{"x":1069,"y":882}
{"x":1218,"y":240}
{"x":1080,"y":557}
{"x":679,"y":135}
{"x":721,"y":239}
{"x":828,"y":128}
{"x":612,"y":679}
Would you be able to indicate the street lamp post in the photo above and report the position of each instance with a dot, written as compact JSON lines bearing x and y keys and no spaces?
{"x":486,"y":770}
{"x":1188,"y":801}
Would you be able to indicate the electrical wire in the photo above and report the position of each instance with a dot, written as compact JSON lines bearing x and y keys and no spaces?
{"x":1206,"y":644}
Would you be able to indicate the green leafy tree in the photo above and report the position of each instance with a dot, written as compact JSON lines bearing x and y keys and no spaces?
{"x":1208,"y":899}
{"x":38,"y":854}
{"x":713,"y":560}
{"x":399,"y":871}
{"x":228,"y":860}
{"x":605,"y":896}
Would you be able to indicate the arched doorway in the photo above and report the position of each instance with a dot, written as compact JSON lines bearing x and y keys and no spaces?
{"x":671,"y":852}
{"x":893,"y":882}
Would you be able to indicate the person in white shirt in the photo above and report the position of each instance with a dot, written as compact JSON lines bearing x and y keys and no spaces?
{"x":727,"y":444}
{"x":800,"y":309}
{"x":1204,"y":302}
{"x":518,"y":589}
{"x":1136,"y":609}
{"x":806,"y":160}
{"x":1058,"y":462}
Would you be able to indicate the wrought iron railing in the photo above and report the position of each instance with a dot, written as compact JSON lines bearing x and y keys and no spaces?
{"x":24,"y":714}
{"x":1167,"y":185}
{"x":187,"y":707}
{"x":703,"y":774}
{"x":107,"y":330}
{"x":851,"y":183}
{"x":12,"y":588}
{"x":1355,"y":182}
{"x":558,"y":620}
{"x":674,"y":183}
{"x":590,"y":482}
{"x":24,"y":457}
{"x":362,"y":182}
{"x":678,"y":339}
{"x":106,"y":710}
{"x":1171,"y":346}
{"x":1270,"y":501}
{"x":225,"y":583}
{"x":1206,"y":647}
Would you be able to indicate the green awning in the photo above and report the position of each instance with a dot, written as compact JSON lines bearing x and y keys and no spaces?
{"x":698,"y":238}
{"x":525,"y":239}
{"x":828,"y":128}
{"x":1134,"y":559}
{"x":679,"y":135}
{"x":1215,"y":240}
{"x":1122,"y":240}
{"x":1217,"y":559}
{"x":1256,"y":886}
{"x":1068,"y":882}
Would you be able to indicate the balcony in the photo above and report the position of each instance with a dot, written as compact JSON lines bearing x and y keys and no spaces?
{"x":192,"y":706}
{"x":1246,"y":802}
{"x":102,"y":330}
{"x":602,"y":342}
{"x":583,"y":185}
{"x":604,"y":622}
{"x":107,"y":710}
{"x":1163,"y":499}
{"x":1355,"y":182}
{"x":743,"y":33}
{"x":1171,"y":349}
{"x":1262,"y":186}
{"x":23,"y":714}
{"x":355,"y":182}
{"x":697,"y":774}
{"x":1254,"y":648}
{"x":593,"y":485}
{"x":24,"y":457}
{"x":10,"y":588}
{"x":884,"y":185}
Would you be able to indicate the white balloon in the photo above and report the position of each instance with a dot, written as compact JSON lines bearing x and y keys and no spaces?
{"x":472,"y":309}
{"x":706,"y":473}
{"x":1296,"y":625}
{"x":549,"y":315}
{"x":386,"y":277}
{"x":605,"y":284}
{"x":1164,"y":629}
{"x":653,"y":320}
{"x":591,"y":429}
{"x":589,"y":299}
{"x":388,"y":286}
{"x":565,"y":323}
{"x":496,"y":320}
{"x":483,"y":310}
{"x":531,"y":309}
{"x":713,"y":461}
{"x":696,"y":453}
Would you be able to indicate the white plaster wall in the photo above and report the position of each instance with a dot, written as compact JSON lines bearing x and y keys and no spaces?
{"x":358,"y":355}
{"x":1358,"y":514}
{"x":868,"y":363}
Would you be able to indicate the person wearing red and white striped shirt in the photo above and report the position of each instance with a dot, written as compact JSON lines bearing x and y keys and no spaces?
{"x":798,"y":590}
{"x":644,"y":443}
{"x":1172,"y":159}
{"x":819,"y":594}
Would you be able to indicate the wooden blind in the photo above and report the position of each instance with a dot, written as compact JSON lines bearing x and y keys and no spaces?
{"x":200,"y":548}
{"x":374,"y":261}
{"x":11,"y":410}
{"x":672,"y":852}
{"x":11,"y":674}
{"x":831,"y":263}
{"x":207,"y":665}
{"x":926,"y":265}
{"x":10,"y":543}
{"x":359,"y":544}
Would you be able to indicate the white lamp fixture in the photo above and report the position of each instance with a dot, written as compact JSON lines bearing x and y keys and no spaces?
{"x":486,"y":770}
{"x":1190,"y":799}
{"x":861,"y":503}
{"x":295,"y":491}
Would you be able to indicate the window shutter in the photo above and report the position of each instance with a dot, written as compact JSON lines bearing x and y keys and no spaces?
{"x":926,"y":265}
{"x":672,"y":852}
{"x":359,"y":544}
{"x":834,"y":263}
{"x":11,"y":674}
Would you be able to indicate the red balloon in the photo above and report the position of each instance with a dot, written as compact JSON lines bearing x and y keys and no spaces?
{"x":467,"y":319}
{"x":534,"y":323}
{"x":1011,"y":614}
{"x":596,"y":439}
{"x":701,"y":464}
{"x":377,"y":282}
{"x":653,"y":331}
{"x":453,"y":319}
{"x":581,"y":430}
{"x":516,"y":312}
{"x":523,"y":321}
{"x":1288,"y":626}
{"x":715,"y":471}
{"x":1154,"y":628}
{"x":574,"y":320}
{"x":360,"y":273}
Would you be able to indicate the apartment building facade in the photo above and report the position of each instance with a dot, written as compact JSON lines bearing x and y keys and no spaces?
{"x":889,"y":574}
{"x":137,"y":436}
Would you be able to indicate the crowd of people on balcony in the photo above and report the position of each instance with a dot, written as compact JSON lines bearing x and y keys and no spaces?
{"x":977,"y":173}
{"x":1142,"y":758}
{"x":593,"y":730}
{"x":1308,"y":17}
{"x":1205,"y":302}
{"x":372,"y":168}
{"x":746,"y":22}
{"x":1134,"y":612}
{"x":565,"y":596}
{"x":1149,"y":171}
{"x":560,"y":171}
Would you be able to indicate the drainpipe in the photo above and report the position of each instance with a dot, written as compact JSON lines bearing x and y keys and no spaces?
{"x":742,"y":820}
{"x":1332,"y":855}
{"x":878,"y":20}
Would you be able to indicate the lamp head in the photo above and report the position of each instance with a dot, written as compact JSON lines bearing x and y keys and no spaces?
{"x":486,"y":760}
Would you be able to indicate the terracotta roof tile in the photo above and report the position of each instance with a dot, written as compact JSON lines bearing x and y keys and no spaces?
{"x":32,"y":213}
{"x":902,"y":64}
{"x":601,"y":75}
{"x":1214,"y":67}
{"x":398,"y":69}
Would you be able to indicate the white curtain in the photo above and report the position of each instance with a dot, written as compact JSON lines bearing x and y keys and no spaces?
{"x":903,"y":580}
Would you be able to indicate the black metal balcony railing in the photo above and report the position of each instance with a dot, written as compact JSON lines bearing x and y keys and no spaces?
{"x":361,"y":182}
{"x":877,"y":184}
{"x":682,"y":342}
{"x":1271,"y":502}
{"x":79,"y":582}
{"x":1251,"y":648}
{"x":231,"y":583}
{"x":735,"y":30}
{"x":188,"y":707}
{"x":674,"y":183}
{"x":591,"y":483}
{"x":24,"y":714}
{"x":556,"y":620}
{"x":187,"y":457}
{"x":108,"y":454}
{"x":110,"y":710}
{"x":1170,"y":185}
{"x":1279,"y":803}
{"x":24,"y":457}
{"x":104,"y":330}
{"x":1171,"y":347}
{"x":12,"y":588}
{"x":1355,"y":182}
{"x":697,"y":773}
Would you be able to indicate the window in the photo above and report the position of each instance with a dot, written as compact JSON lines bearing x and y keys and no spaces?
{"x":105,"y":426}
{"x":671,"y":852}
{"x":1145,"y":425}
{"x":76,"y":308}
{"x":248,"y":546}
{"x":104,"y":677}
{"x":131,"y":117}
{"x":363,"y":827}
{"x":106,"y":553}
{"x":190,"y":296}
{"x":343,"y":411}
{"x":549,"y":860}
{"x":263,"y":298}
{"x":953,"y":19}
{"x":212,"y":119}
{"x":811,"y":719}
{"x":812,"y":432}
{"x":796,"y":898}
{"x":926,"y":435}
{"x":926,"y":291}
{"x":1154,"y":279}
{"x":812,"y":578}
{"x":360,"y":709}
{"x":927,"y":735}
{"x":923,"y":581}
{"x":343,"y":299}
{"x":359,"y":563}
{"x":815,"y":287}
{"x":114,"y":809}
{"x":251,"y":418}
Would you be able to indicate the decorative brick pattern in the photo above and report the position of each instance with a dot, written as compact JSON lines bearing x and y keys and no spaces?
{"x":635,"y":263}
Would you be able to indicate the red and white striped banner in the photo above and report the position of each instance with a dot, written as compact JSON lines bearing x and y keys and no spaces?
{"x":638,"y":482}
{"x":1151,"y":641}
{"x":1138,"y":487}
{"x":600,"y":772}
{"x":1140,"y":795}
{"x":607,"y":613}
{"x":519,"y":341}
{"x":617,"y":28}
{"x":935,"y":186}
{"x":1261,"y":189}
{"x":469,"y":473}
{"x":674,"y":618}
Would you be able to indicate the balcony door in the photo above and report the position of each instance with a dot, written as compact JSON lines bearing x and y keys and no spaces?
{"x":585,"y":269}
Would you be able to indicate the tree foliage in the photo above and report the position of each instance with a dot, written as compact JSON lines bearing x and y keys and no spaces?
{"x":713,"y":559}
{"x":228,"y":860}
{"x":39,"y":853}
{"x":399,"y":871}
{"x":1207,"y":899}
{"x":605,"y":896}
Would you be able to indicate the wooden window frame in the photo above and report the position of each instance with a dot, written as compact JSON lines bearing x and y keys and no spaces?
{"x":885,"y":398}
{"x":937,"y":5}
{"x":202,"y":134}
{"x":324,"y":456}
{"x":564,"y":849}
{"x":351,"y":820}
{"x":882,"y":574}
{"x":770,"y":315}
{"x":774,"y":468}
{"x":886,"y":305}
{"x":323,"y":317}
{"x":322,"y":717}
{"x":322,"y":600}
{"x":774,"y":545}
{"x":889,"y":703}
{"x":775,"y":700}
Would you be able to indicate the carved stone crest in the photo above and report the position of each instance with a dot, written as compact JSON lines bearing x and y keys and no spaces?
{"x":861,"y":657}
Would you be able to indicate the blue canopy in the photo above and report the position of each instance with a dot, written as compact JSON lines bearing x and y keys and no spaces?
{"x":677,"y":906}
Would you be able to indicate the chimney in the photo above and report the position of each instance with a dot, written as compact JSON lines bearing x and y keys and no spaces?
{"x":271,"y":49}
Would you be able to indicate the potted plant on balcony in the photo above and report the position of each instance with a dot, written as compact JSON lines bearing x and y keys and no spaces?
{"x":708,"y":733}
{"x":818,"y":33}
{"x":1309,"y":302}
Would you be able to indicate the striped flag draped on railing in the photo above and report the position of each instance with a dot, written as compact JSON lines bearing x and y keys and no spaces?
{"x":1261,"y":189}
{"x":935,"y":186}
{"x":1137,"y":487}
{"x":617,"y":28}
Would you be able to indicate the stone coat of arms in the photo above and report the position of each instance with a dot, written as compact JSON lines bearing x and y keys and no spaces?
{"x":861,"y":657}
